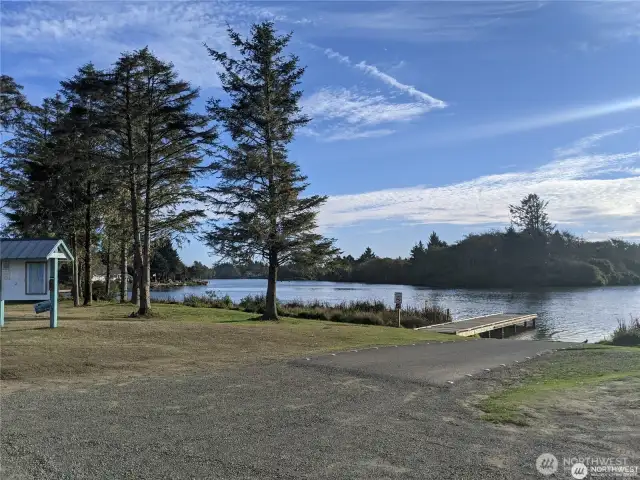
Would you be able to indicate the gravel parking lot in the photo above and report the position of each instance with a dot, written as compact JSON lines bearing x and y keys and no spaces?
{"x":277,"y":420}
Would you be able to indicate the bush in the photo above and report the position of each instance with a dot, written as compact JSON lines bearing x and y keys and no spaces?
{"x":99,"y":292}
{"x":210,"y":300}
{"x":359,"y":311}
{"x":627,"y":335}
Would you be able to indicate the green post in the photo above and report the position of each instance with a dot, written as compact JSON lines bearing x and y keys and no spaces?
{"x":53,"y":292}
{"x":1,"y":299}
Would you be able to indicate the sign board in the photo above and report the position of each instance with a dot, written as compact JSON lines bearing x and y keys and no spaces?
{"x":6,"y":271}
{"x":42,"y":306}
{"x":398,"y":299}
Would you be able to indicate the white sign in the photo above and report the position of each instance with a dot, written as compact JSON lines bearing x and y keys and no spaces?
{"x":6,"y":271}
{"x":398,"y":299}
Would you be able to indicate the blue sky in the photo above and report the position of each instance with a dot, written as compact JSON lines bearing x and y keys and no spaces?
{"x":427,"y":115}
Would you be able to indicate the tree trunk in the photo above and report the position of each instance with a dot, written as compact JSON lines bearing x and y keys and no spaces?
{"x":271,"y":310}
{"x":137,"y":248}
{"x":75,"y":268}
{"x":88,"y":290}
{"x":145,"y":280}
{"x":107,"y":286}
{"x":135,"y":285}
{"x":123,"y":270}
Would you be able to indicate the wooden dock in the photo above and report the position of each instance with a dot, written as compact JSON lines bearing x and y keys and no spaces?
{"x":497,"y":323}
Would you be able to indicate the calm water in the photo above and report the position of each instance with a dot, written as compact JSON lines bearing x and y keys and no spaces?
{"x":573,"y":314}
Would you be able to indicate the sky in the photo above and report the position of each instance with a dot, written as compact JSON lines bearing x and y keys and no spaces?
{"x":426,"y":115}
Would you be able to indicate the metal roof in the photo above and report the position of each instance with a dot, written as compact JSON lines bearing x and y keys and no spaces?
{"x":26,"y":249}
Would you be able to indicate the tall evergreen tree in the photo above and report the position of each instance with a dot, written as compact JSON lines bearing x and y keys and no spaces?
{"x":260,"y":191}
{"x":531,"y":215}
{"x":86,"y":93}
{"x":160,"y":145}
{"x":31,"y":173}
{"x":366,"y":255}
{"x":13,"y":103}
{"x":435,"y":242}
{"x":418,"y":252}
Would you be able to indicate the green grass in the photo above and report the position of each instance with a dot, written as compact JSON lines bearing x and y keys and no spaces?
{"x":177,"y":338}
{"x":573,"y":369}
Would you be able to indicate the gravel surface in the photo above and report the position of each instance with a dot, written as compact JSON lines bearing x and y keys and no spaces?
{"x":282,"y":420}
{"x":435,"y":363}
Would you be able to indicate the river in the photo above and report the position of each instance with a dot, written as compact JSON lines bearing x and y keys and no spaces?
{"x":571,"y":314}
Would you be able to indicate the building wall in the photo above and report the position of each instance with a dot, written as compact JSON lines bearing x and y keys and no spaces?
{"x":14,"y":287}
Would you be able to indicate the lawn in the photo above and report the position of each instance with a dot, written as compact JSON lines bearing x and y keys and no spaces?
{"x":579,"y":370}
{"x":101,"y":339}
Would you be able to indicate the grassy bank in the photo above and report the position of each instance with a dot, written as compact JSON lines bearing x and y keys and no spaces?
{"x":625,"y":334}
{"x":565,"y":371}
{"x":359,"y":312}
{"x":101,"y":339}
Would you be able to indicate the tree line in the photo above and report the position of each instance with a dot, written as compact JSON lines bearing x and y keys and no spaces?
{"x":531,"y":252}
{"x":115,"y":161}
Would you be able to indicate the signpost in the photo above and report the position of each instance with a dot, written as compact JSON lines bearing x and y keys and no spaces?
{"x":398,"y":300}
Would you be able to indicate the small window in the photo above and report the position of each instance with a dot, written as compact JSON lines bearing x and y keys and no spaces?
{"x":36,"y":278}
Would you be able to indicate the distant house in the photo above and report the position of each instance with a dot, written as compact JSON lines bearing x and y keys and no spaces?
{"x":30,"y":272}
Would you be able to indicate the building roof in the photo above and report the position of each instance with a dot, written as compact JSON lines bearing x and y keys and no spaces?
{"x":33,"y":249}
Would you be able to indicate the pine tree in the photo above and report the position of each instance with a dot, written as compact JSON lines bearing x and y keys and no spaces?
{"x":86,"y":93}
{"x":160,"y":145}
{"x":531,"y":215}
{"x":13,"y":103}
{"x":31,"y":172}
{"x":435,"y":242}
{"x":418,"y":252}
{"x":366,"y":255}
{"x":260,"y":191}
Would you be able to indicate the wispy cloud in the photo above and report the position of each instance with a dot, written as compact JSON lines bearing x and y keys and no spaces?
{"x":67,"y":34}
{"x":534,"y":122}
{"x":616,"y":20}
{"x":584,"y":144}
{"x":417,"y":21}
{"x":580,"y":189}
{"x":387,"y":79}
{"x":347,"y":114}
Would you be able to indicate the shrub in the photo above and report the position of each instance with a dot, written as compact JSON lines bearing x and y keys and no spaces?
{"x":363,"y":312}
{"x":627,"y":335}
{"x":99,"y":292}
{"x":210,"y":300}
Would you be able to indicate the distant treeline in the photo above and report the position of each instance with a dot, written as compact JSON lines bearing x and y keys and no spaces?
{"x":493,"y":260}
{"x":530,"y":253}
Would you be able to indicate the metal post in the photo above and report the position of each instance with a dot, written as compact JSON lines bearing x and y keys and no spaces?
{"x":53,"y":292}
{"x":502,"y":332}
{"x":399,"y":318}
{"x":1,"y":299}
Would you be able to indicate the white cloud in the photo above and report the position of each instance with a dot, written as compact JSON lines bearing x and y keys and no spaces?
{"x":534,"y":122}
{"x":425,"y":98}
{"x":418,"y":21}
{"x":361,"y":109}
{"x":583,"y":144}
{"x":68,"y":34}
{"x":344,"y":114}
{"x":578,"y":196}
{"x":616,"y":20}
{"x":348,"y":114}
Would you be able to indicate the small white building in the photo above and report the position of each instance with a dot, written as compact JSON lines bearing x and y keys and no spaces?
{"x":29,"y":272}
